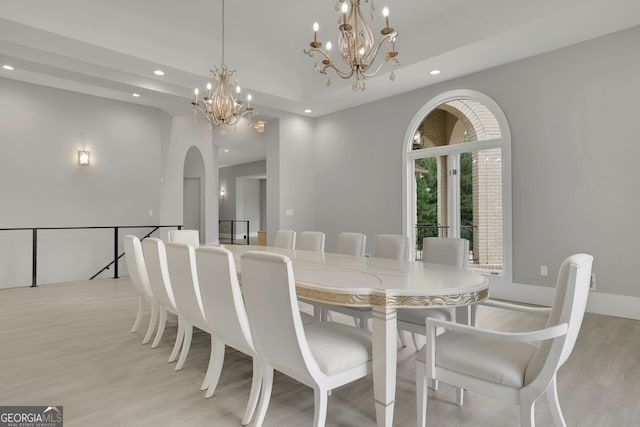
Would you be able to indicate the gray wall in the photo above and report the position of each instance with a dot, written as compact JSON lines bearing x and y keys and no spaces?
{"x":296,"y":178}
{"x":42,"y":129}
{"x":573,"y":120}
{"x":41,"y":184}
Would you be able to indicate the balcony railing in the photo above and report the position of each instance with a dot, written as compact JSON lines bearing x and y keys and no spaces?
{"x":227,"y":229}
{"x":116,"y":245}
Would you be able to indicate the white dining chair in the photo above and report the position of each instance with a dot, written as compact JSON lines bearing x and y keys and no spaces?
{"x":310,"y":241}
{"x":391,"y":246}
{"x":351,"y":244}
{"x":226,"y":318}
{"x":181,"y":261}
{"x":285,"y":239}
{"x":155,"y":258}
{"x":190,"y":237}
{"x":436,"y":250}
{"x":321,"y":355}
{"x":140,"y":281}
{"x":514,"y":367}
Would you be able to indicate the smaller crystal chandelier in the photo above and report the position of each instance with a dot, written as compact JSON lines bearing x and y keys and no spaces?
{"x":220,"y":107}
{"x":356,"y":45}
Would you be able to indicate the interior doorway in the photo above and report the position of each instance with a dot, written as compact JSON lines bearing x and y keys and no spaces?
{"x":194,"y":195}
{"x":191,"y":206}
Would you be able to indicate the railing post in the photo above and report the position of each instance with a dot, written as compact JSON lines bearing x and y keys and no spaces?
{"x":115,"y":252}
{"x":34,"y":258}
{"x":247,"y":232}
{"x":232,"y":231}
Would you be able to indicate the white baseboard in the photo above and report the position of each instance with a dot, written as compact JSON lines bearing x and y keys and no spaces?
{"x":599,"y":303}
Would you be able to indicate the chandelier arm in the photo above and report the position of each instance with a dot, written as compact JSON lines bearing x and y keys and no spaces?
{"x":377,"y":50}
{"x":339,"y":72}
{"x":329,"y":63}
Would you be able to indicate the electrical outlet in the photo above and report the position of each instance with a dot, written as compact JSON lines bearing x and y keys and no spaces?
{"x":592,"y":282}
{"x":544,"y":271}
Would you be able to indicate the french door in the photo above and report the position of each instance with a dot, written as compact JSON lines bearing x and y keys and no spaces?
{"x":458,"y":192}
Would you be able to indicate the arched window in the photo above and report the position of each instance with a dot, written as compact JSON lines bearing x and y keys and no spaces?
{"x":457,"y":174}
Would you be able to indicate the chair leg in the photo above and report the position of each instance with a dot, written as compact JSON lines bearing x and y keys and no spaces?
{"x":472,"y":315}
{"x":215,"y":364}
{"x":554,"y":404}
{"x":265,"y":395}
{"x":256,"y":382}
{"x":320,"y":407}
{"x":459,"y":396}
{"x":162,"y":323}
{"x":422,"y":392}
{"x":178,"y":344}
{"x":186,"y":345}
{"x":414,"y":337}
{"x":152,"y":323}
{"x":207,"y":377}
{"x":136,"y":323}
{"x":403,"y":340}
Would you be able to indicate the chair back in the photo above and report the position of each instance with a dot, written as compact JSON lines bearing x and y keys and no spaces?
{"x":136,"y":265}
{"x":446,"y":250}
{"x":222,"y":300}
{"x":391,"y":246}
{"x":190,"y":237}
{"x":272,"y":308}
{"x":310,"y":241}
{"x":351,"y":244}
{"x":285,"y":239}
{"x":181,"y":259}
{"x":155,"y":258}
{"x":569,"y":304}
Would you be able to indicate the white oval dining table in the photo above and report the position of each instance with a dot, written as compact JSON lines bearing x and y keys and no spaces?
{"x":384,"y":285}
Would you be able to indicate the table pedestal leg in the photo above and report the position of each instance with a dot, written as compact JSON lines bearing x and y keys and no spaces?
{"x":385,"y":348}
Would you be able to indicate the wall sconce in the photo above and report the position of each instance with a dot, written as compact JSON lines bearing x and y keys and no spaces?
{"x":259,"y":126}
{"x":83,"y":158}
{"x":222,"y":193}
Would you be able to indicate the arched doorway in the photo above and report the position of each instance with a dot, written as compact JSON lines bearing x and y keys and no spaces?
{"x":193,"y":195}
{"x":457,"y":177}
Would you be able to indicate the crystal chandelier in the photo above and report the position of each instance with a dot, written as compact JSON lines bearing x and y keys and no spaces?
{"x":220,"y":108}
{"x":356,"y":45}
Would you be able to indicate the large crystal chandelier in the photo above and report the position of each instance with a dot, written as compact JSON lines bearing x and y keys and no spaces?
{"x":356,"y":45}
{"x":221,"y":108}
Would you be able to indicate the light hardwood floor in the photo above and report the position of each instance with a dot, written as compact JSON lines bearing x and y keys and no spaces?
{"x":69,"y":344}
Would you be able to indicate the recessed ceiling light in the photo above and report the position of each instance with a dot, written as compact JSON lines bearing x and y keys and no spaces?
{"x":434,"y":72}
{"x":158,"y":73}
{"x":226,"y":151}
{"x":307,"y":111}
{"x":135,"y":95}
{"x":8,"y":67}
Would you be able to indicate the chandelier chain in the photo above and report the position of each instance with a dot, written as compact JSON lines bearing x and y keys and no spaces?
{"x":223,"y":33}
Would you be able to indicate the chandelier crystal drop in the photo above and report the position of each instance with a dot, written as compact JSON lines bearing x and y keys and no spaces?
{"x":356,"y":45}
{"x":219,"y":106}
